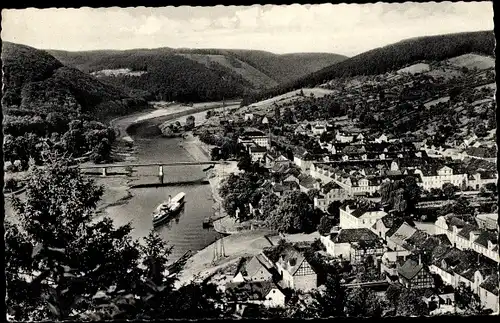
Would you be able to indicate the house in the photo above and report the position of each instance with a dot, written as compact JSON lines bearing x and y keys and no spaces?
{"x":265,"y":120}
{"x":386,"y":226}
{"x":328,"y":193}
{"x":415,"y":275}
{"x":301,"y":130}
{"x":381,"y":138}
{"x":488,"y":292}
{"x":258,"y":137}
{"x":265,"y":293}
{"x":248,"y":117}
{"x":436,"y":177}
{"x":318,"y":129}
{"x":487,"y":221}
{"x":257,"y":153}
{"x":307,"y":183}
{"x":302,"y":159}
{"x":360,"y":138}
{"x":340,"y":137}
{"x":397,"y":239}
{"x":294,"y":270}
{"x":359,"y":215}
{"x":466,"y":236}
{"x":355,"y":245}
{"x":481,"y":178}
{"x":258,"y":268}
{"x":456,"y":266}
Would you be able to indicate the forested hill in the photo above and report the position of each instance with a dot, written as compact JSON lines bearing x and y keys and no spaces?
{"x":35,"y":80}
{"x":391,"y":57}
{"x":195,"y":74}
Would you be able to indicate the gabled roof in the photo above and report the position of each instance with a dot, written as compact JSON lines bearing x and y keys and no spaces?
{"x":257,"y":149}
{"x":466,"y":230}
{"x":291,"y":259}
{"x":410,"y":269}
{"x":491,"y":284}
{"x":307,"y":181}
{"x":255,"y":264}
{"x":250,"y":290}
{"x":486,"y":236}
{"x":402,"y":233}
{"x":353,"y":235}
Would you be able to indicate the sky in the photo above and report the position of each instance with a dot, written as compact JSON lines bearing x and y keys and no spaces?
{"x":347,"y":29}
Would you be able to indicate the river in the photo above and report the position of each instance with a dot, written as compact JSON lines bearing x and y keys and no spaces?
{"x":184,"y":232}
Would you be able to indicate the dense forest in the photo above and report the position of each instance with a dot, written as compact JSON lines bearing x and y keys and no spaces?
{"x":391,"y":57}
{"x":179,"y":74}
{"x":35,"y":80}
{"x":46,"y":104}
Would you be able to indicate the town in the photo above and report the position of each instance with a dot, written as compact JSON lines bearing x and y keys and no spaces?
{"x":397,"y":209}
{"x":263,"y":161}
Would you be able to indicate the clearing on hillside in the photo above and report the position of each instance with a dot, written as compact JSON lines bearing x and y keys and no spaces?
{"x":473,"y":61}
{"x":415,"y":68}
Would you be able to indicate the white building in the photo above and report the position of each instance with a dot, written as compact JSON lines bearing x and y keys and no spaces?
{"x":443,"y":175}
{"x":257,"y":153}
{"x":465,"y":236}
{"x":359,"y":216}
{"x":318,"y":129}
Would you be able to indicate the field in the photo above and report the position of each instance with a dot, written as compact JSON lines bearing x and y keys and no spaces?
{"x":473,"y":61}
{"x":284,"y":98}
{"x":415,"y":68}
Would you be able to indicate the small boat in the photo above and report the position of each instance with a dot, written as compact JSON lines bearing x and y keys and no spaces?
{"x":207,"y":223}
{"x":168,"y":208}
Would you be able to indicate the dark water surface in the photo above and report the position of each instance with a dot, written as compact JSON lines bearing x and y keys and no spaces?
{"x":185,"y":232}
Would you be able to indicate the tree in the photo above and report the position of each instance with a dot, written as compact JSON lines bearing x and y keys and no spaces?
{"x":312,"y":193}
{"x":76,"y":258}
{"x":63,"y":264}
{"x":481,"y":131}
{"x":334,"y":209}
{"x":190,"y":122}
{"x":363,"y":302}
{"x":268,"y":203}
{"x":293,"y":214}
{"x":449,"y":190}
{"x":325,"y":224}
{"x":492,"y":187}
{"x":245,"y":162}
{"x":330,"y":302}
{"x":288,"y":116}
{"x":467,"y":300}
{"x":406,"y":302}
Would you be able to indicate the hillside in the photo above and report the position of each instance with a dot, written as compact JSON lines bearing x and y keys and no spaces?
{"x":196,"y":74}
{"x":35,"y":80}
{"x":283,"y":68}
{"x":392,"y":57}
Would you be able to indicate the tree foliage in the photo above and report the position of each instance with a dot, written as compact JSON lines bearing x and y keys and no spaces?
{"x":62,"y":263}
{"x":295,"y":213}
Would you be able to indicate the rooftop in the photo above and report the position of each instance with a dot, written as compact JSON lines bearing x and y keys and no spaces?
{"x":353,"y":235}
{"x":410,"y":269}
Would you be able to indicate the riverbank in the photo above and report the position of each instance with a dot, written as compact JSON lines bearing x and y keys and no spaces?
{"x":202,"y":264}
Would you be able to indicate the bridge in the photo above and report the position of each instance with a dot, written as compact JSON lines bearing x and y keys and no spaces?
{"x":105,"y":167}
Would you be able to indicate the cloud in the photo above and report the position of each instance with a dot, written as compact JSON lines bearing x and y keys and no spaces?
{"x":345,"y":28}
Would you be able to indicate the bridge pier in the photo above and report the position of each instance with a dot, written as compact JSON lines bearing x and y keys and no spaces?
{"x":104,"y":171}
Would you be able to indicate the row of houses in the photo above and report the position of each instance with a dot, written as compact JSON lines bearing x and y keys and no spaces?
{"x":260,"y":280}
{"x":410,"y":257}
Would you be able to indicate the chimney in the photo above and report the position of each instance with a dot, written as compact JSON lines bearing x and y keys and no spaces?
{"x":419,"y":259}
